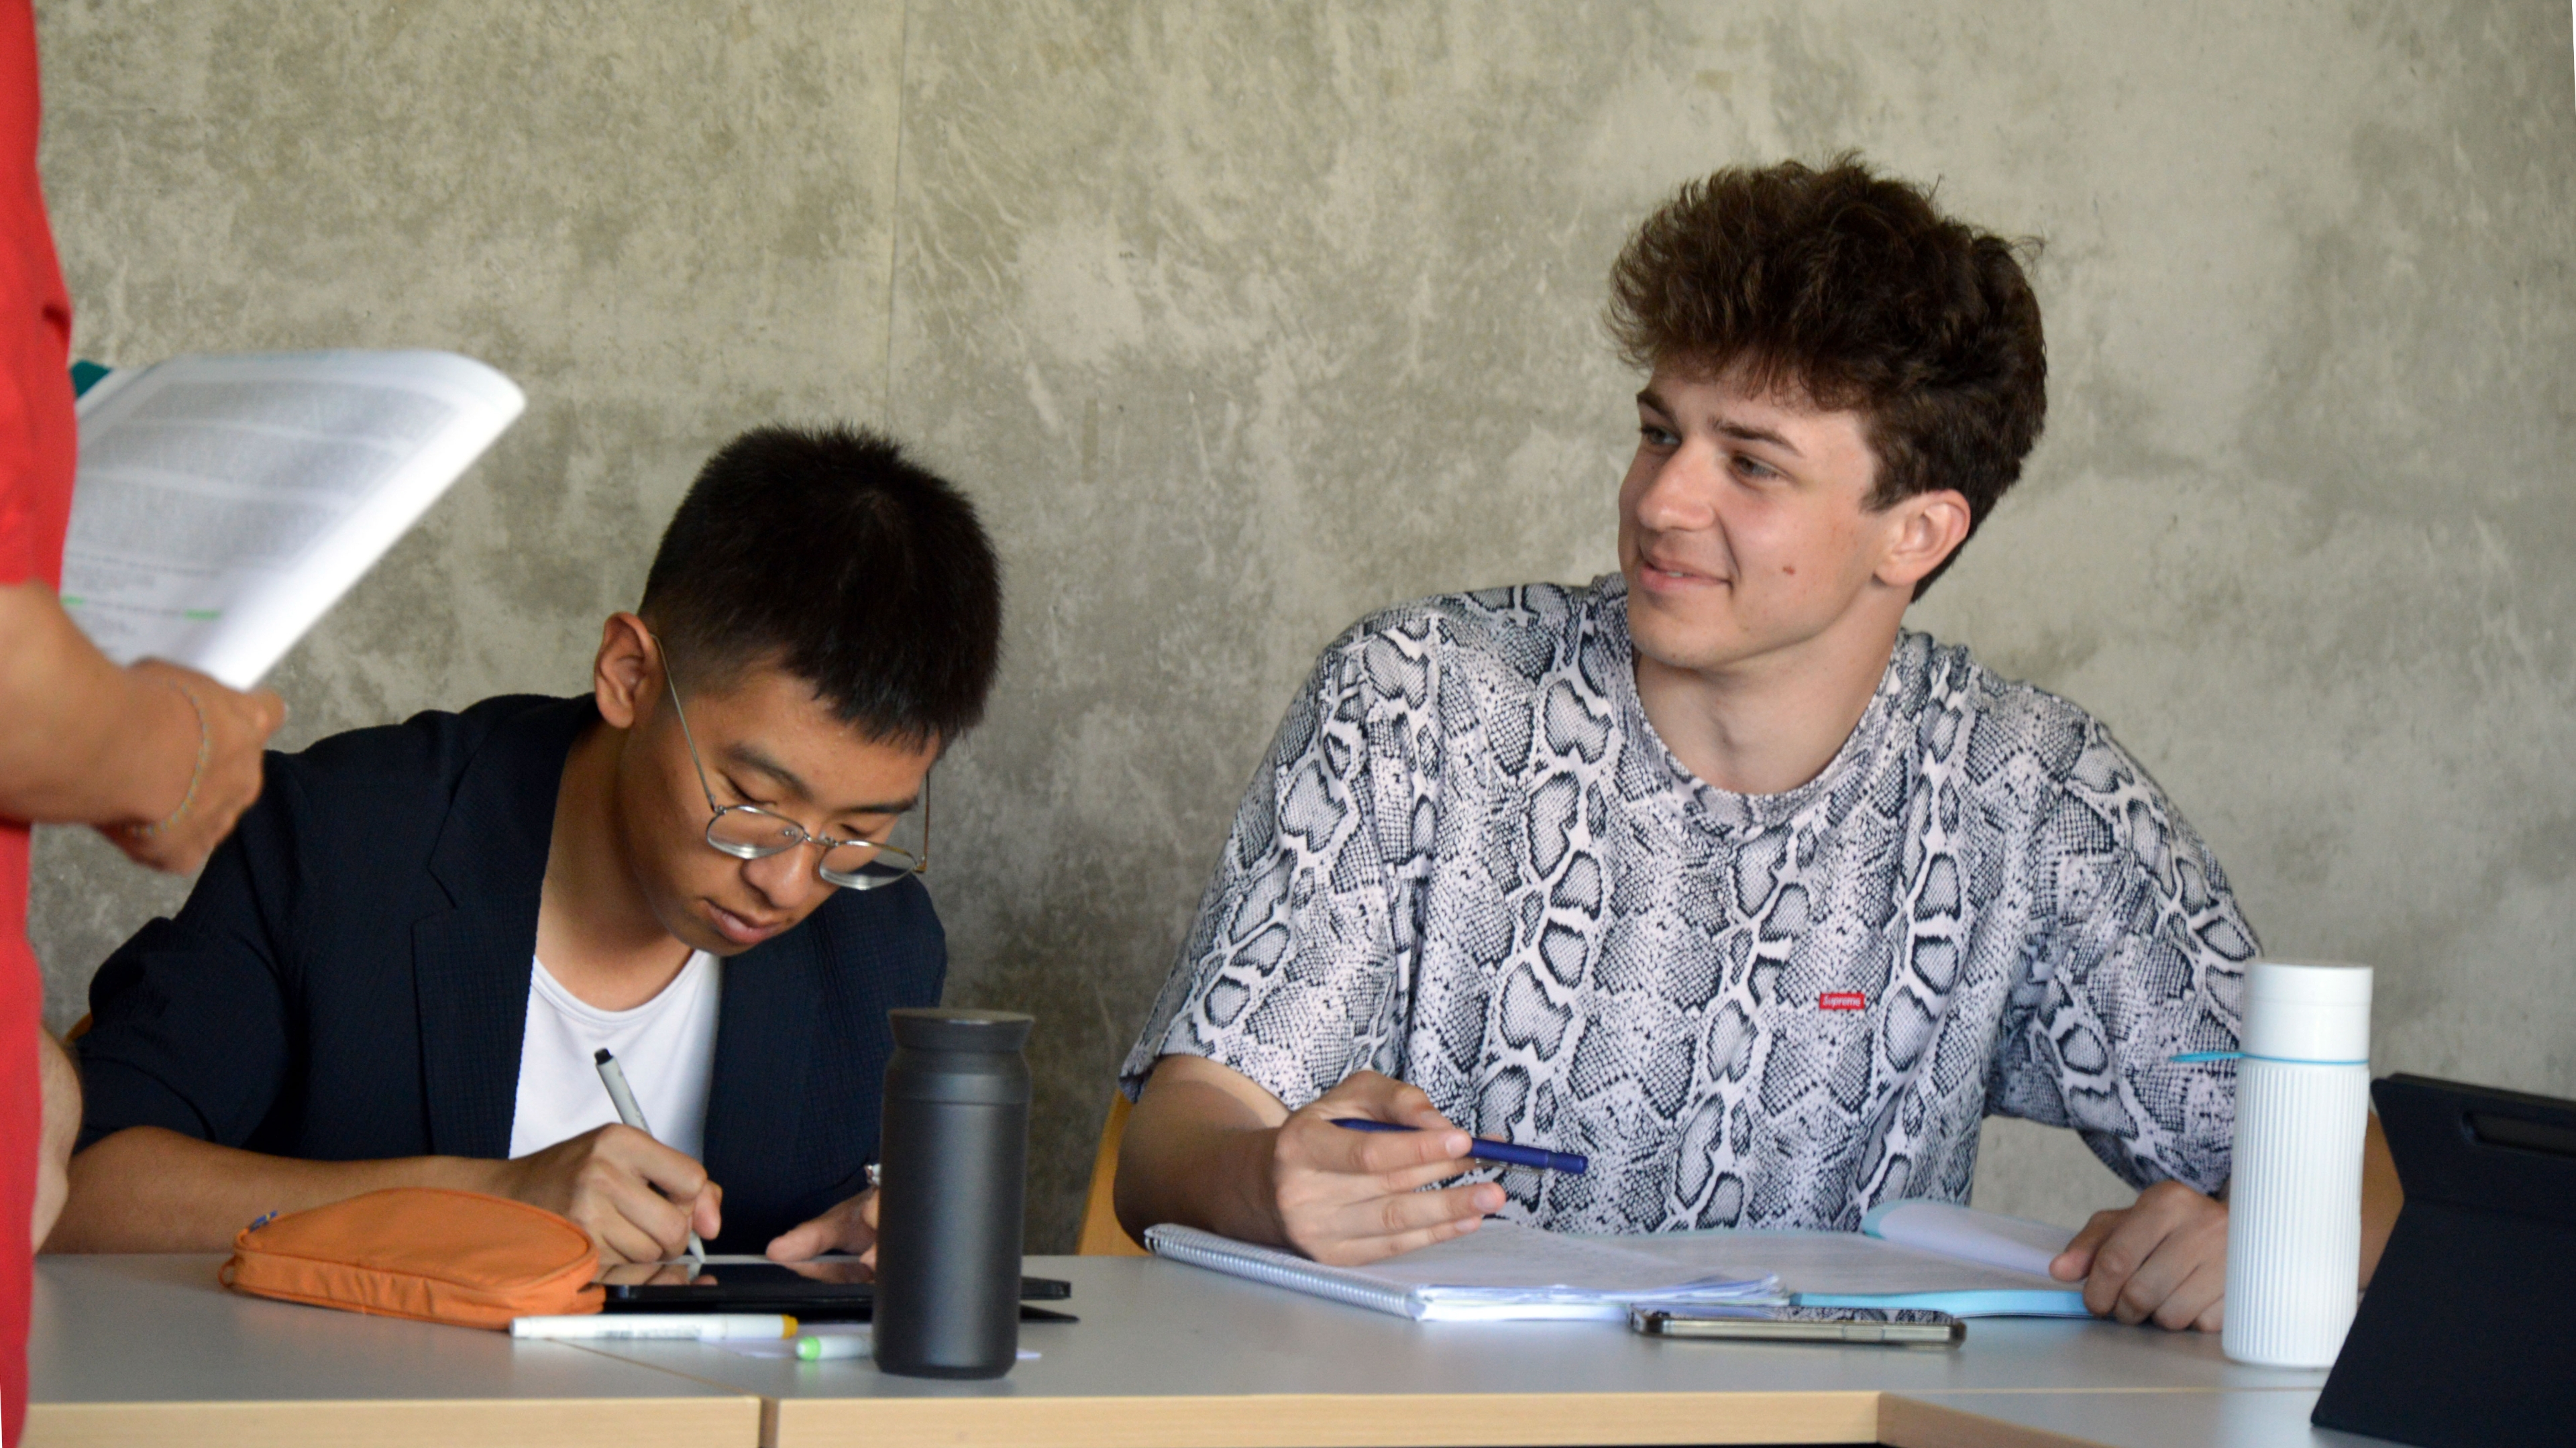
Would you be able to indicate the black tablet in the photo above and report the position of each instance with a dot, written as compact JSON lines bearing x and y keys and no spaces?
{"x":2457,"y":1344}
{"x":810,"y":1295}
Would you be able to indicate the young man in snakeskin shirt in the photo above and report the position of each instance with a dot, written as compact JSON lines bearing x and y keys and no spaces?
{"x":1710,"y":870}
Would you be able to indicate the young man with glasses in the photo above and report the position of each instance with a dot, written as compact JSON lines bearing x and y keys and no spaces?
{"x":400,"y":970}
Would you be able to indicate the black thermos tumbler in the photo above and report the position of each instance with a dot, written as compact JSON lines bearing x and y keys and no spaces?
{"x":955,"y":1150}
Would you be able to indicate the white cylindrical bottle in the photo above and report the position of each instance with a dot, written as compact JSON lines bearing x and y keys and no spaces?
{"x":2294,"y":1204}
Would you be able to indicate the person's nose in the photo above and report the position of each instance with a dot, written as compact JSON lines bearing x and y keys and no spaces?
{"x":1680,"y":495}
{"x":786,"y":880}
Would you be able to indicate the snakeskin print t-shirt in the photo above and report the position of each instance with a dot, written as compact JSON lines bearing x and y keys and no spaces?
{"x":1471,"y":863}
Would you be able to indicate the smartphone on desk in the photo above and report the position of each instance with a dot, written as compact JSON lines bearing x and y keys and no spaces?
{"x":1872,"y":1326}
{"x":824,"y":1290}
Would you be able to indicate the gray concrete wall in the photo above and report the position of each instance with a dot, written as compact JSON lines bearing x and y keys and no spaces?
{"x":1243,"y":319}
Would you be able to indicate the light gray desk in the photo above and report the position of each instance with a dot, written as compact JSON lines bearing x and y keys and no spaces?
{"x":132,"y":1350}
{"x":1167,"y":1354}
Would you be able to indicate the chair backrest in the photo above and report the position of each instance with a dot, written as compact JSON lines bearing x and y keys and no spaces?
{"x":1101,"y":1234}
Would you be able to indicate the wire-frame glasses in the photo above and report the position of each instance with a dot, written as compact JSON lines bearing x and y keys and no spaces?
{"x":748,"y":832}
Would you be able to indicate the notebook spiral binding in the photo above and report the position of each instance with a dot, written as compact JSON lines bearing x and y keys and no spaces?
{"x":1278,"y":1269}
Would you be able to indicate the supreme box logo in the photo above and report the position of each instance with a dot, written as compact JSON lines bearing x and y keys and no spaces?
{"x":1841,"y":1000}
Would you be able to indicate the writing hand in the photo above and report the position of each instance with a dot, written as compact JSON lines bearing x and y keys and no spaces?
{"x":2164,"y":1258}
{"x":637,"y":1198}
{"x":1350,"y":1197}
{"x":849,"y":1227}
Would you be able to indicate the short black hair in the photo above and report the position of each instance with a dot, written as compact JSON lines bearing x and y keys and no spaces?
{"x":827,"y":552}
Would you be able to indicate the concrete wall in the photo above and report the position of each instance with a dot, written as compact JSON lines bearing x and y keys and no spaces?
{"x":1243,"y":319}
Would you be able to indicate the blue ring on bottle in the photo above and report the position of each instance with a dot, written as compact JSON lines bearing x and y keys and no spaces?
{"x":2195,"y":1058}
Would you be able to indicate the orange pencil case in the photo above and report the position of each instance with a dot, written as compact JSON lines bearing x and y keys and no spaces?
{"x":423,"y":1253}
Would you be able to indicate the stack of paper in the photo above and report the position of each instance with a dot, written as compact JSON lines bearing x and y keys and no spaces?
{"x":1910,"y":1254}
{"x":2016,"y":1244}
{"x":1907,"y":1255}
{"x":225,"y":503}
{"x":1847,"y":1269}
{"x":1500,"y":1272}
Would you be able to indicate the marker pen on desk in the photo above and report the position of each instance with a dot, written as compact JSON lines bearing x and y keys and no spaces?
{"x":686,"y":1326}
{"x":814,"y":1349}
{"x":1485,"y":1148}
{"x":613,"y":1076}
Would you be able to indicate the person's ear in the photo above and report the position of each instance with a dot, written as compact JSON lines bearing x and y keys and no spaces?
{"x":1925,"y":529}
{"x":626,"y":678}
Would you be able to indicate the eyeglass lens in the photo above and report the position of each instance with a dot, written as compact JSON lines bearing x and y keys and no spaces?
{"x":750,"y":833}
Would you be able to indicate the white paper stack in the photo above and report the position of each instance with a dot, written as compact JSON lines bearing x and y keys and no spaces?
{"x":1929,"y":1255}
{"x":224,"y":504}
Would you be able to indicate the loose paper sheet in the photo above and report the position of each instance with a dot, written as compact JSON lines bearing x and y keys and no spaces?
{"x":1506,"y":1256}
{"x":1839,"y":1263}
{"x":2016,"y":1244}
{"x":223,"y":504}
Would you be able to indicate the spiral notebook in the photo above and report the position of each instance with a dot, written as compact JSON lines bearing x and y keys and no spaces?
{"x":1502,"y":1272}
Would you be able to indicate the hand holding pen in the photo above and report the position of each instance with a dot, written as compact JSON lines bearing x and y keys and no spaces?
{"x":638,"y":1199}
{"x":1486,"y":1148}
{"x":1348,"y":1197}
{"x":613,"y":1076}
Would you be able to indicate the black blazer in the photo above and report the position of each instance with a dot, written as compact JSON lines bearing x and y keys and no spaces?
{"x":349,"y":978}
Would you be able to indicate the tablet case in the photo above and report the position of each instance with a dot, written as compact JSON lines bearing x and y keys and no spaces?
{"x":2463,"y":1340}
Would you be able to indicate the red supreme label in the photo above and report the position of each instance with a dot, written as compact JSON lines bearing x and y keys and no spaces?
{"x":1841,"y":1000}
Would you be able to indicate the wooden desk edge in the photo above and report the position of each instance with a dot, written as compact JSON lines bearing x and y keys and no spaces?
{"x":1905,"y":1422}
{"x":1281,"y":1420}
{"x":1407,"y":1420}
{"x":405,"y":1422}
{"x":1331,"y":1420}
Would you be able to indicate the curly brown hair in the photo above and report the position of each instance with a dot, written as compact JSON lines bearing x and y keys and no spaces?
{"x":1856,"y":292}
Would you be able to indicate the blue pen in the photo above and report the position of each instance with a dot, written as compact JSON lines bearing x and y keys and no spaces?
{"x":1485,"y":1148}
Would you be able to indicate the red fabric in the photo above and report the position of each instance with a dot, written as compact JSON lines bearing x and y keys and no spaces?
{"x":38,"y":440}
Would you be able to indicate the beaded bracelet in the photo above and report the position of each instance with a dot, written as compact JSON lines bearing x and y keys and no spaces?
{"x":196,"y":777}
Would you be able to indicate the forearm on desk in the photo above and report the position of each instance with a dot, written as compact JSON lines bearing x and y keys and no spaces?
{"x":81,"y":740}
{"x":150,"y":1190}
{"x":1199,"y":1155}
